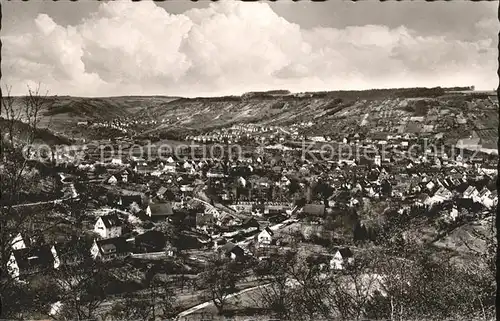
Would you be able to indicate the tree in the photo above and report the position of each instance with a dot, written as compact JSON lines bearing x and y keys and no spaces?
{"x":324,"y":190}
{"x":143,"y":305}
{"x":484,"y":272}
{"x":219,"y":279}
{"x":18,"y":131}
{"x":351,"y":291}
{"x":295,"y":290}
{"x":420,"y":282}
{"x":274,"y":295}
{"x":25,"y":301}
{"x":399,"y":274}
{"x":83,"y":287}
{"x":132,"y":307}
{"x":165,"y":297}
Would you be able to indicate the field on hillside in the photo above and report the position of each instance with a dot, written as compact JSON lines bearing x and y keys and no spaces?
{"x":329,"y":113}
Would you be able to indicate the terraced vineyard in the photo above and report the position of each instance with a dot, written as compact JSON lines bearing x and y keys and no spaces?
{"x":396,"y":111}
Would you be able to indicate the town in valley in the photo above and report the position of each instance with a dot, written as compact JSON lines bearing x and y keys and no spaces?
{"x":197,"y":228}
{"x":234,"y":160}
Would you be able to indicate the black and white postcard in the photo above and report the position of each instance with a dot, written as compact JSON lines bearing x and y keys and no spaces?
{"x":234,"y":160}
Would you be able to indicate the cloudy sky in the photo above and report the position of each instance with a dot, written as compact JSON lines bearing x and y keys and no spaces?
{"x":205,"y":49}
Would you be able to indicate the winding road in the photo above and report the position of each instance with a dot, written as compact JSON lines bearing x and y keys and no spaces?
{"x":208,"y":303}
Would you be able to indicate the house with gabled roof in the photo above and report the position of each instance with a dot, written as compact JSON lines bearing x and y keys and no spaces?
{"x":170,"y":166}
{"x":231,"y":250}
{"x":160,"y":211}
{"x":108,"y":226}
{"x":489,"y":169}
{"x":283,"y":182}
{"x":131,"y":200}
{"x":109,"y":249}
{"x":27,"y":261}
{"x":20,"y":242}
{"x":161,"y":191}
{"x":341,"y":258}
{"x":250,"y":222}
{"x":441,"y":195}
{"x":265,"y":237}
{"x":471,"y":193}
{"x":112,"y":180}
{"x":314,"y":210}
{"x":487,"y":198}
{"x":422,"y":199}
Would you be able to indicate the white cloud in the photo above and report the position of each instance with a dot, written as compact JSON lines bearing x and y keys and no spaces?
{"x":232,"y":47}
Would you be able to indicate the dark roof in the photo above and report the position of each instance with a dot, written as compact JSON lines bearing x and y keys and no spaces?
{"x":111,"y":220}
{"x":34,"y":258}
{"x":129,"y":199}
{"x":314,"y":209}
{"x":228,"y":247}
{"x":344,"y":251}
{"x":151,"y":239}
{"x":259,"y":207}
{"x":268,"y":230}
{"x":413,"y":127}
{"x":126,"y":171}
{"x":161,"y":209}
{"x":161,"y":191}
{"x":249,"y":221}
{"x":145,"y":168}
{"x":113,"y":245}
{"x":204,"y":218}
{"x":232,"y":248}
{"x":317,"y":259}
{"x":276,"y":218}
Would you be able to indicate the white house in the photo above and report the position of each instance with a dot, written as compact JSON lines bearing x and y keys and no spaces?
{"x":265,"y":237}
{"x":112,"y":180}
{"x":242,"y":181}
{"x":341,"y":258}
{"x":487,"y":198}
{"x":452,"y":215}
{"x":188,"y":167}
{"x":186,"y":188}
{"x":441,"y":195}
{"x":318,"y":139}
{"x":55,"y":308}
{"x":170,"y":166}
{"x":17,"y":242}
{"x":471,"y":193}
{"x":284,"y":181}
{"x":117,"y":161}
{"x":430,"y":186}
{"x":108,"y":226}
